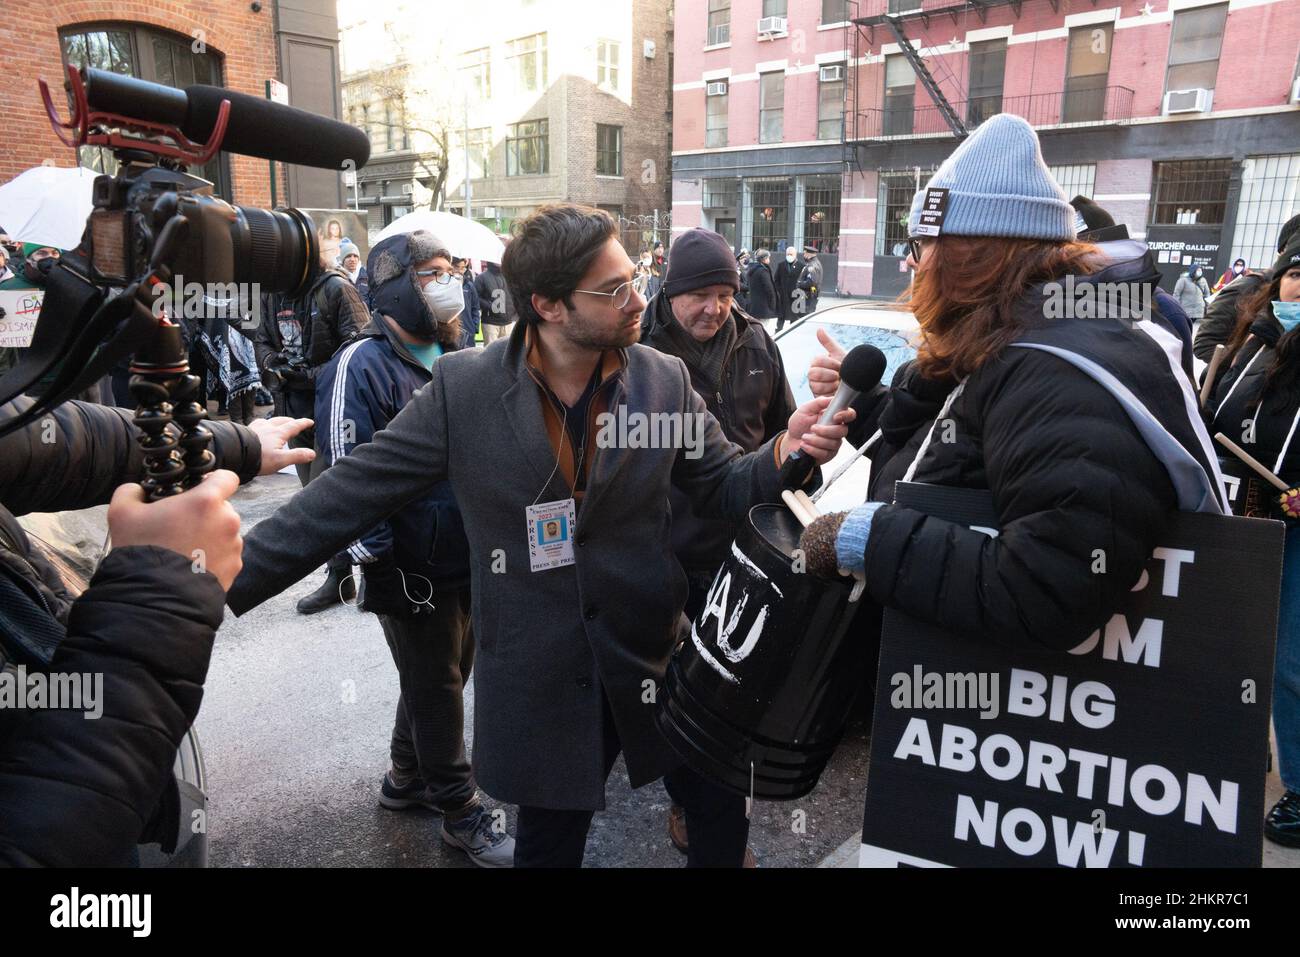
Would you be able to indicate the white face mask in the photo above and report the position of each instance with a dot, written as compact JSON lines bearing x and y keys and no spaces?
{"x":789,"y":257}
{"x":446,"y":300}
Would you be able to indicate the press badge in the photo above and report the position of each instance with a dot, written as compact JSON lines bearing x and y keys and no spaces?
{"x":550,"y":534}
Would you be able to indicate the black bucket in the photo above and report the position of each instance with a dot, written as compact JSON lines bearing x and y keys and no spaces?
{"x":760,"y":692}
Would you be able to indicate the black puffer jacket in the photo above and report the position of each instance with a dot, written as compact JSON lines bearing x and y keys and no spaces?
{"x":1073,"y":482}
{"x":753,"y":402}
{"x":762,"y":291}
{"x":1263,"y":428}
{"x":1221,"y":314}
{"x":496,"y":308}
{"x":77,"y":792}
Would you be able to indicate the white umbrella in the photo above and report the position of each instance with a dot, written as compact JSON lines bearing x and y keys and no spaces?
{"x":47,"y":205}
{"x":462,"y":237}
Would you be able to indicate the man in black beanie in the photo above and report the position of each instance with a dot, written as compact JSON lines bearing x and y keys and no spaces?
{"x":736,"y":369}
{"x":1221,"y":314}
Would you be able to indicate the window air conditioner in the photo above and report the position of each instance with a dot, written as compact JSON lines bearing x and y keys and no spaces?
{"x":1188,"y":101}
{"x":408,"y":189}
{"x":832,"y":74}
{"x":771,"y":27}
{"x":716,"y":89}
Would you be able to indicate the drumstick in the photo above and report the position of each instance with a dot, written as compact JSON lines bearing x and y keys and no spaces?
{"x":806,"y":502}
{"x":1250,"y":460}
{"x":796,"y":506}
{"x":1212,"y":372}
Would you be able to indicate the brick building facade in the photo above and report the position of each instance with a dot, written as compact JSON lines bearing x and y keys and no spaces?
{"x":225,"y":42}
{"x":804,"y":120}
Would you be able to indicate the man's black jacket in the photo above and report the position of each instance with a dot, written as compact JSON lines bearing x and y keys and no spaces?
{"x":752,"y":402}
{"x":78,"y":792}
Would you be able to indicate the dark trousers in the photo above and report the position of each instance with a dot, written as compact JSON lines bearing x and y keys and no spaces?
{"x":718,"y":830}
{"x":434,"y":654}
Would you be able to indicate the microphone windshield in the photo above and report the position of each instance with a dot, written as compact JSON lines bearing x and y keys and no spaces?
{"x":273,"y":131}
{"x":863,"y":367}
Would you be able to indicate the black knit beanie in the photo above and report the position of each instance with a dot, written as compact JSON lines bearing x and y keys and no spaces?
{"x":700,"y":258}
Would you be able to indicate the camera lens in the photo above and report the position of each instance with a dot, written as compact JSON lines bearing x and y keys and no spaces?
{"x":277,"y":249}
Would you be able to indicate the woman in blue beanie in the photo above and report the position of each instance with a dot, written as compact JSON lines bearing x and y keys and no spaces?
{"x":1026,"y":383}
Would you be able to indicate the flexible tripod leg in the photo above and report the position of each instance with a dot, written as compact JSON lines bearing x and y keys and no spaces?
{"x":168,"y":394}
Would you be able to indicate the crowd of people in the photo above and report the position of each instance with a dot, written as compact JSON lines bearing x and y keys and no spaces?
{"x":496,"y":536}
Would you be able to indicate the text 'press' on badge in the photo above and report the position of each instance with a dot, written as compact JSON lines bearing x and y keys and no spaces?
{"x":933,"y":209}
{"x":550,"y":534}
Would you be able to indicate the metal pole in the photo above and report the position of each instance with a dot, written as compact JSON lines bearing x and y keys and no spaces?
{"x":469,"y":190}
{"x":273,"y":203}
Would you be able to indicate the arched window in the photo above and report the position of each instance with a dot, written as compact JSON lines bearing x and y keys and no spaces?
{"x":146,"y":53}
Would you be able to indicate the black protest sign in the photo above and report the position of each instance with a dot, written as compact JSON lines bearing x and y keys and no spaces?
{"x":1145,"y":746}
{"x":933,"y":211}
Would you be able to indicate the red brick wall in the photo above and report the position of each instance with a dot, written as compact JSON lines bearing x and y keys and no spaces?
{"x":29,"y":50}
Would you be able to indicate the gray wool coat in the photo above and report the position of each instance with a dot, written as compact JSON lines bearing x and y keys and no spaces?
{"x":548,"y":641}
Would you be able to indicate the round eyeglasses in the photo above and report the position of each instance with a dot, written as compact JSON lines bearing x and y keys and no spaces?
{"x":619,"y":298}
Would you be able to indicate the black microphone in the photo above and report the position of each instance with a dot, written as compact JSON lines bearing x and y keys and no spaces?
{"x":255,"y":126}
{"x":860,"y":371}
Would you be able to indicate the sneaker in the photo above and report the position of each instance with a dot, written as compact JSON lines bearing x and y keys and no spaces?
{"x":677,"y":835}
{"x":412,"y":794}
{"x":476,"y":836}
{"x":1282,"y":825}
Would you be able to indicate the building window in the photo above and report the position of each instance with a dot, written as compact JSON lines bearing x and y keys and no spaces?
{"x":528,"y":148}
{"x":1194,"y":48}
{"x":893,"y":205}
{"x":774,"y":8}
{"x":609,"y":150}
{"x":1191,"y":192}
{"x":988,"y":62}
{"x":1077,"y":180}
{"x":821,"y":213}
{"x":715,"y":115}
{"x":1086,"y":71}
{"x":527,"y":57}
{"x":390,"y":128}
{"x":830,"y":102}
{"x":1270,"y":195}
{"x":771,"y":107}
{"x":480,"y":151}
{"x":146,"y":54}
{"x":719,"y":22}
{"x":769,"y":213}
{"x":476,"y":68}
{"x":900,"y":87}
{"x":607,"y":64}
{"x":902,"y":6}
{"x":721,"y":193}
{"x":835,"y":11}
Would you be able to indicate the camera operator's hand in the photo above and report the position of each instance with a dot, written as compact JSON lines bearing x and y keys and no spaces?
{"x":198,"y":524}
{"x":274,"y":434}
{"x":819,"y":442}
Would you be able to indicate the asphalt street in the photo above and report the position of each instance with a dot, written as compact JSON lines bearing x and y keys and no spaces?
{"x":295,"y":725}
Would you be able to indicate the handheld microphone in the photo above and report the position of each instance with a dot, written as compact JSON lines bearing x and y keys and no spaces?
{"x":255,"y":127}
{"x":860,"y":371}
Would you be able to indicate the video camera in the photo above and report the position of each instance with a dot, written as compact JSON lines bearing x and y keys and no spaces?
{"x":153,"y":221}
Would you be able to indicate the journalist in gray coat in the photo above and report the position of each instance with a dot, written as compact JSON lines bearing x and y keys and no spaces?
{"x":548,"y":640}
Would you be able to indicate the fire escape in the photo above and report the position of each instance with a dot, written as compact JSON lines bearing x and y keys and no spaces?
{"x":872,"y":21}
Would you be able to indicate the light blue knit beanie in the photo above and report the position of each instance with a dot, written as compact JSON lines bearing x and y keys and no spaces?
{"x":998,"y":185}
